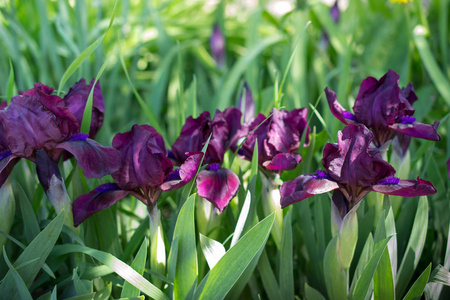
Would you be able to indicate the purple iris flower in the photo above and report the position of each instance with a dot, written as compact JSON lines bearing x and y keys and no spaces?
{"x":384,"y":108}
{"x":76,"y":100}
{"x":352,"y":168}
{"x":278,"y":139}
{"x":216,"y":184}
{"x":39,"y":126}
{"x":146,"y":171}
{"x":217,"y":45}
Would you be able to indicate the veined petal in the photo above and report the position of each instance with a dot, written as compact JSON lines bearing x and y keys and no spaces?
{"x":218,"y":185}
{"x":180,"y":177}
{"x":305,"y":186}
{"x":283,"y":162}
{"x":337,"y":110}
{"x":419,"y":130}
{"x":95,"y":160}
{"x":404,"y":188}
{"x":99,"y":199}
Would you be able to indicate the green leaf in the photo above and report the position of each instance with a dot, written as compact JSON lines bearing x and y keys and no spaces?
{"x":414,"y":248}
{"x":21,"y":287}
{"x":31,"y":224}
{"x":269,"y":281}
{"x":440,"y":275}
{"x":228,"y":88}
{"x":416,"y":291}
{"x":172,"y":262}
{"x":138,"y":264}
{"x":313,"y":294}
{"x":10,"y":85}
{"x":429,"y":62}
{"x":242,"y":219}
{"x":335,"y":276}
{"x":121,"y":268}
{"x":227,"y":271}
{"x":348,"y":237}
{"x":286,"y":275}
{"x":364,"y":258}
{"x":104,"y":293}
{"x":383,"y":281}
{"x":82,"y":287}
{"x":157,"y":247}
{"x":8,"y":208}
{"x":85,"y":54}
{"x":212,"y":249}
{"x":39,"y":248}
{"x":186,"y":271}
{"x":87,"y":114}
{"x":363,"y":284}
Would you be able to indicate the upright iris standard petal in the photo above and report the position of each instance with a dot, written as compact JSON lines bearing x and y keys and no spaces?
{"x":99,"y":199}
{"x":94,"y":159}
{"x":353,"y":168}
{"x":278,"y":138}
{"x":384,"y":108}
{"x":76,"y":100}
{"x":247,"y":105}
{"x":217,"y":45}
{"x":218,"y":185}
{"x":145,"y":163}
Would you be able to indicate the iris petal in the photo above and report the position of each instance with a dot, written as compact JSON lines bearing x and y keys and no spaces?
{"x":218,"y":186}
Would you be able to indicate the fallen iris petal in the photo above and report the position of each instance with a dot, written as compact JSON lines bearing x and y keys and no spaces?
{"x":94,"y":159}
{"x":283,"y":162}
{"x":305,"y":186}
{"x":218,"y":186}
{"x":419,"y":130}
{"x":406,"y":188}
{"x":99,"y":199}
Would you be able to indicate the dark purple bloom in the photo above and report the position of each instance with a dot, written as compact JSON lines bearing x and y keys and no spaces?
{"x":145,"y":172}
{"x":76,"y":100}
{"x":278,"y":139}
{"x":217,"y":45}
{"x":36,"y":122}
{"x":217,"y":185}
{"x":353,"y":169}
{"x":384,"y":108}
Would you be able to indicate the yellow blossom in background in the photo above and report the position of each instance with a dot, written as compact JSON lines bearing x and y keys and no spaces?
{"x":400,"y":1}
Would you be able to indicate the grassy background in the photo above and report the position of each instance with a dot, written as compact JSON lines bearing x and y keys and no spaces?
{"x":165,"y":49}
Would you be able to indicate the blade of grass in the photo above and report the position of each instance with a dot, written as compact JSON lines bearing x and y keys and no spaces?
{"x":10,"y":85}
{"x":138,"y":264}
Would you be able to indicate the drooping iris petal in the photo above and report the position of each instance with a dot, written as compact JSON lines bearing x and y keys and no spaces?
{"x":283,"y":161}
{"x":99,"y":199}
{"x":419,"y":130}
{"x":29,"y":126}
{"x":180,"y":177}
{"x":46,"y":168}
{"x":405,"y":188}
{"x":145,"y":164}
{"x":217,"y":45}
{"x":232,"y":117}
{"x":76,"y":100}
{"x":94,"y":159}
{"x":7,"y":163}
{"x":337,"y":110}
{"x":352,"y":162}
{"x":305,"y":186}
{"x":218,"y":185}
{"x":248,"y":107}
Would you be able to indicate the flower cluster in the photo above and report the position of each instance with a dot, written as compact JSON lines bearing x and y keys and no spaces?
{"x":354,"y":166}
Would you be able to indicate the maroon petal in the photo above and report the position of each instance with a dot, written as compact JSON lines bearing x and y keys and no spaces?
{"x":99,"y":199}
{"x":7,"y":163}
{"x":76,"y":100}
{"x":337,"y":110}
{"x":419,"y":130}
{"x":145,"y":164}
{"x":404,"y":188}
{"x":218,"y":185}
{"x":180,"y":177}
{"x":305,"y":186}
{"x":94,"y":159}
{"x":283,"y":162}
{"x":46,"y":168}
